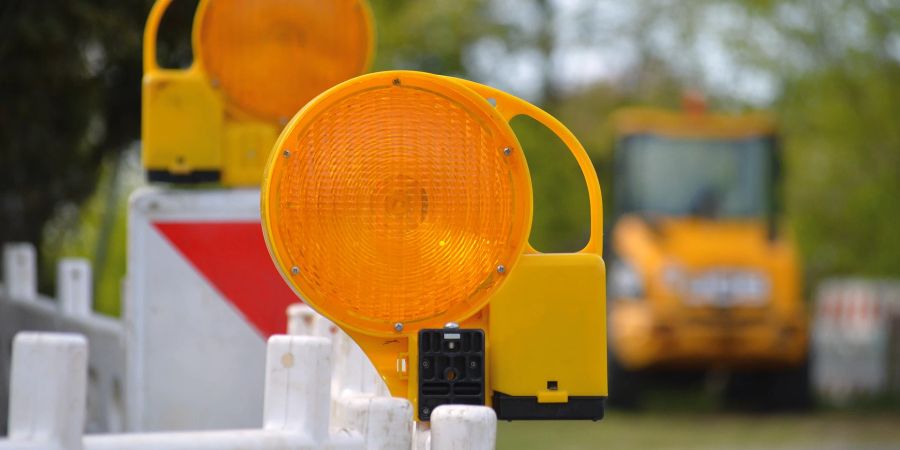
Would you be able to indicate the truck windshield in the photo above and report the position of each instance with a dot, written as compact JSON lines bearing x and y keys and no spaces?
{"x":701,"y":177}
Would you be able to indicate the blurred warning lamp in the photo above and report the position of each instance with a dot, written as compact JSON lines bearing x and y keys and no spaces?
{"x":399,"y":205}
{"x":256,"y":63}
{"x":271,"y":57}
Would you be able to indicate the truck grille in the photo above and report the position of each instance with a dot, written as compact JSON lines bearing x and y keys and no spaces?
{"x":723,"y":288}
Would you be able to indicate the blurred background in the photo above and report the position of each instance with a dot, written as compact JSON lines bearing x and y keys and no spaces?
{"x":826,"y":71}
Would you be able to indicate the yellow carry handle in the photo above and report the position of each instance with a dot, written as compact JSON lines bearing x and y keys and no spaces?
{"x":510,"y":106}
{"x":151,"y":30}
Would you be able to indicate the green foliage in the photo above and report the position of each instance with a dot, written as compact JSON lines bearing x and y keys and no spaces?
{"x":97,"y":230}
{"x":69,"y":103}
{"x":69,"y":89}
{"x":838,"y":68}
{"x":429,"y":35}
{"x":843,"y":162}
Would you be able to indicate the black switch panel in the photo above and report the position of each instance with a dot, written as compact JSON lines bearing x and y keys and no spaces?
{"x":451,"y":368}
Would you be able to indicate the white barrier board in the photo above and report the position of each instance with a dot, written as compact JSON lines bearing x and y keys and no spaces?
{"x":856,"y":339}
{"x":202,"y":297}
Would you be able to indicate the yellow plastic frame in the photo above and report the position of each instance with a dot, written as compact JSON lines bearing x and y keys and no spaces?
{"x":392,"y":352}
{"x":559,"y":299}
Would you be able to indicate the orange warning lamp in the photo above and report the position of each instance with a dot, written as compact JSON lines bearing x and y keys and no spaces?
{"x":398,"y":204}
{"x":256,"y":63}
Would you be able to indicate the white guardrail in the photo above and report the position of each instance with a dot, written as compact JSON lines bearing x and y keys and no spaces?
{"x":23,"y":309}
{"x":58,"y":389}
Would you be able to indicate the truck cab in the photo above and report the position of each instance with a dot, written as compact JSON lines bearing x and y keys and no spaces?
{"x":701,"y":276}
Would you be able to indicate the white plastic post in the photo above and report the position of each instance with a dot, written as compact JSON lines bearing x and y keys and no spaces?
{"x":47,"y":390}
{"x":422,"y":436}
{"x":48,"y":405}
{"x":301,"y":320}
{"x":20,"y":271}
{"x":353,"y":371}
{"x":324,"y":327}
{"x":74,"y":288}
{"x":384,"y":422}
{"x":463,"y":427}
{"x":297,"y":394}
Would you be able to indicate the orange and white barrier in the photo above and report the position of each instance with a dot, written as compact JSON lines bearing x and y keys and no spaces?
{"x":856,"y":339}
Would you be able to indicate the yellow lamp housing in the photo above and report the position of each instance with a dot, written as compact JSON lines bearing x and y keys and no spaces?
{"x":256,"y":62}
{"x":398,"y":204}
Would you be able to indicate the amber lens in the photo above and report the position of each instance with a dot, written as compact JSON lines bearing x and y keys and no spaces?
{"x":270,"y":57}
{"x":393,"y":201}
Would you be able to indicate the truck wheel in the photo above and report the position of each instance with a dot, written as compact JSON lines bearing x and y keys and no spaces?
{"x":746,"y":391}
{"x":624,"y":386}
{"x":791,"y":389}
{"x":767,"y":391}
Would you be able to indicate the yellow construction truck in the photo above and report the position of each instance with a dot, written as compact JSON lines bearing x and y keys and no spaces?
{"x":702,"y":279}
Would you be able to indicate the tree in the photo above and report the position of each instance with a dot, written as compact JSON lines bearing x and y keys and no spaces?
{"x":431,"y":36}
{"x":69,"y":100}
{"x":67,"y":70}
